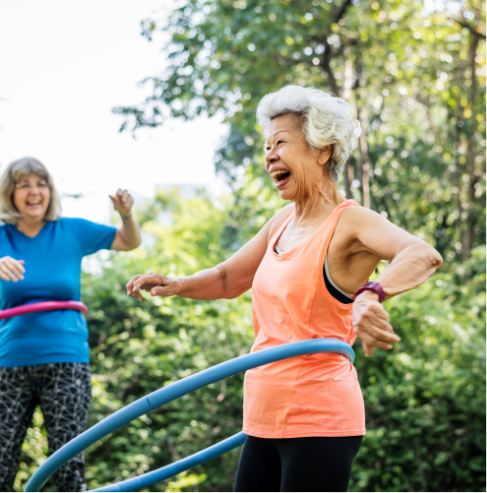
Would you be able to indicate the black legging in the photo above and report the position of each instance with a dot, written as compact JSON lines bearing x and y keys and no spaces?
{"x":296,"y":464}
{"x":63,"y":391}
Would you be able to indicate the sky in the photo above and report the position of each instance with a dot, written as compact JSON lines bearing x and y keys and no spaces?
{"x":63,"y":67}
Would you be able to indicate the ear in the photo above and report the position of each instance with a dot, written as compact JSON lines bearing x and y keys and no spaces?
{"x":324,"y":155}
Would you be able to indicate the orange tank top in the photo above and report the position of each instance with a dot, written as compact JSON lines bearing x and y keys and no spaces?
{"x":314,"y":395}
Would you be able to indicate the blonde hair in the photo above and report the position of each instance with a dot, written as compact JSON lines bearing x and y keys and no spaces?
{"x":14,"y":172}
{"x":325,"y":120}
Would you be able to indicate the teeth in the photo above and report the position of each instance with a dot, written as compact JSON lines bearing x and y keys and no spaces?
{"x":277,"y":173}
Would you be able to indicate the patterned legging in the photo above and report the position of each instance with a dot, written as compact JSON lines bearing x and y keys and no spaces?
{"x":63,"y":391}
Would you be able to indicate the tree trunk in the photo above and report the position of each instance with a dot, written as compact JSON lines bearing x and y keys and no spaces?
{"x":346,"y":182}
{"x":364,"y":162}
{"x":365,"y":170}
{"x":469,"y":237}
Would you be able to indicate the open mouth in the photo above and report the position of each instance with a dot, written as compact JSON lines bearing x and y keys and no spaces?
{"x":280,"y":176}
{"x":34,"y":203}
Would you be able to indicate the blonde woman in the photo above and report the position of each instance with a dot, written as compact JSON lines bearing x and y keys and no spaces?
{"x":44,"y":357}
{"x":308,"y":269}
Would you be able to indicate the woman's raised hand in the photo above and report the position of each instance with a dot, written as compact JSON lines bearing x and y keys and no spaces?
{"x":122,"y":203}
{"x":371,"y":323}
{"x":155,"y":284}
{"x":11,"y":269}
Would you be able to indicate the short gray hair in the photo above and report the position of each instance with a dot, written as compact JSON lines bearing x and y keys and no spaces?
{"x":14,"y":172}
{"x":325,"y":120}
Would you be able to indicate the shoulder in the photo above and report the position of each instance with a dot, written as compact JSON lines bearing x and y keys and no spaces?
{"x":74,"y":223}
{"x":365,"y":225}
{"x":360,"y":216}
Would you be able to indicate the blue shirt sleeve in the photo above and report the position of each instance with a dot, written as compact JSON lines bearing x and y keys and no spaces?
{"x":92,"y":236}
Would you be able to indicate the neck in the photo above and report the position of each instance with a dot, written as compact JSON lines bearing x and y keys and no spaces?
{"x":30,"y":227}
{"x":321,"y":199}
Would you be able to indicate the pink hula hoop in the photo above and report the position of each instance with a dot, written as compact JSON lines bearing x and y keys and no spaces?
{"x":44,"y":306}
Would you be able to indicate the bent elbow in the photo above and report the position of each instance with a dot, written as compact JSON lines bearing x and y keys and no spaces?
{"x":133,"y":245}
{"x":433,"y":258}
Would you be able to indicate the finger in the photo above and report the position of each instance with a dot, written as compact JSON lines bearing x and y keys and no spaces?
{"x":3,"y":276}
{"x":137,"y":296}
{"x":372,"y":343}
{"x":8,"y":273}
{"x":148,"y":281}
{"x":367,"y":349}
{"x":376,"y":337}
{"x":142,"y":284}
{"x":383,"y":325}
{"x":17,"y":265}
{"x":376,"y":310}
{"x":382,"y":335}
{"x":130,"y":284}
{"x":375,"y":318}
{"x":16,"y":269}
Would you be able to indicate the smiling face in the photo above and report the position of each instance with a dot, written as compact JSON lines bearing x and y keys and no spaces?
{"x":297,"y":171}
{"x":31,"y":197}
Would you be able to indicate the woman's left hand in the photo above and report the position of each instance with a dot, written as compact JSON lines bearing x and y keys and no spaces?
{"x":371,"y":323}
{"x":122,"y":202}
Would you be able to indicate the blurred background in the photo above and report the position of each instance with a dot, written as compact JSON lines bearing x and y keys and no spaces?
{"x":159,"y":97}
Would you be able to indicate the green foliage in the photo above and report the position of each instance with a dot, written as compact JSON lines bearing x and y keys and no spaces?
{"x":425,"y":400}
{"x":415,"y":78}
{"x":413,"y":72}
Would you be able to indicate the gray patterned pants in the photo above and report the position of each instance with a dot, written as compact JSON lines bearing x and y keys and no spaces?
{"x":63,"y":391}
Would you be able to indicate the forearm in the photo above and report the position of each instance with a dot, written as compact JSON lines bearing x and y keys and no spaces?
{"x":130,"y":232}
{"x":208,"y":284}
{"x":410,"y":268}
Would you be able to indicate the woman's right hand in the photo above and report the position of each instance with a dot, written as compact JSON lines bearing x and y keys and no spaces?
{"x":11,"y":269}
{"x":155,"y":284}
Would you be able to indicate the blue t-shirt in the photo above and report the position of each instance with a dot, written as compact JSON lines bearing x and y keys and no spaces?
{"x":52,"y":273}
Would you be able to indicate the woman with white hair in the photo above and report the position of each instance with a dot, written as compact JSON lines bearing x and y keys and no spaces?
{"x":44,"y":356}
{"x":308,"y":268}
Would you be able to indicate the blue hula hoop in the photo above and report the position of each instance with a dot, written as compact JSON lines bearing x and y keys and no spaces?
{"x":168,"y":394}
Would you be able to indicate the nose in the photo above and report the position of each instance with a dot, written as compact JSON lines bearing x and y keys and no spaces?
{"x":271,"y":156}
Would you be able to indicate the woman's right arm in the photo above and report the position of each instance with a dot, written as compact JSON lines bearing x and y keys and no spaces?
{"x":228,"y":280}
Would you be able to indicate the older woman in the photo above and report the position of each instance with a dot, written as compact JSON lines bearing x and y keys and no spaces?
{"x":44,"y":357}
{"x":308,"y":268}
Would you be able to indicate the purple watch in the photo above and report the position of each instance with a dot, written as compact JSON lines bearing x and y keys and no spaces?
{"x":375,"y":287}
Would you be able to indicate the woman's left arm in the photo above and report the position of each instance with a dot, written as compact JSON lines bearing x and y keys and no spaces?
{"x":413,"y":262}
{"x":128,"y":236}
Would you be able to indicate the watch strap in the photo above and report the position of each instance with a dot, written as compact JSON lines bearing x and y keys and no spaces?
{"x":375,"y":287}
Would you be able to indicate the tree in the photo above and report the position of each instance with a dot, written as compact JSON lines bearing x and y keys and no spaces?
{"x":414,"y":78}
{"x":425,"y":400}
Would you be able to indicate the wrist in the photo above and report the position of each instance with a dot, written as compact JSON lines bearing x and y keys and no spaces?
{"x":180,"y":286}
{"x":368,"y":295}
{"x":375,"y":290}
{"x":126,"y":217}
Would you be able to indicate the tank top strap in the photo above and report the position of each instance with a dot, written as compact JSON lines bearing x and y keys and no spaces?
{"x":330,"y":226}
{"x":280,"y":229}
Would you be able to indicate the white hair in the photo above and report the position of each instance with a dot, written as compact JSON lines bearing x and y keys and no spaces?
{"x":325,"y":120}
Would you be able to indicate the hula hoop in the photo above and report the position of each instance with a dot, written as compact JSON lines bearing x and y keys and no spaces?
{"x":168,"y":394}
{"x":44,"y":306}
